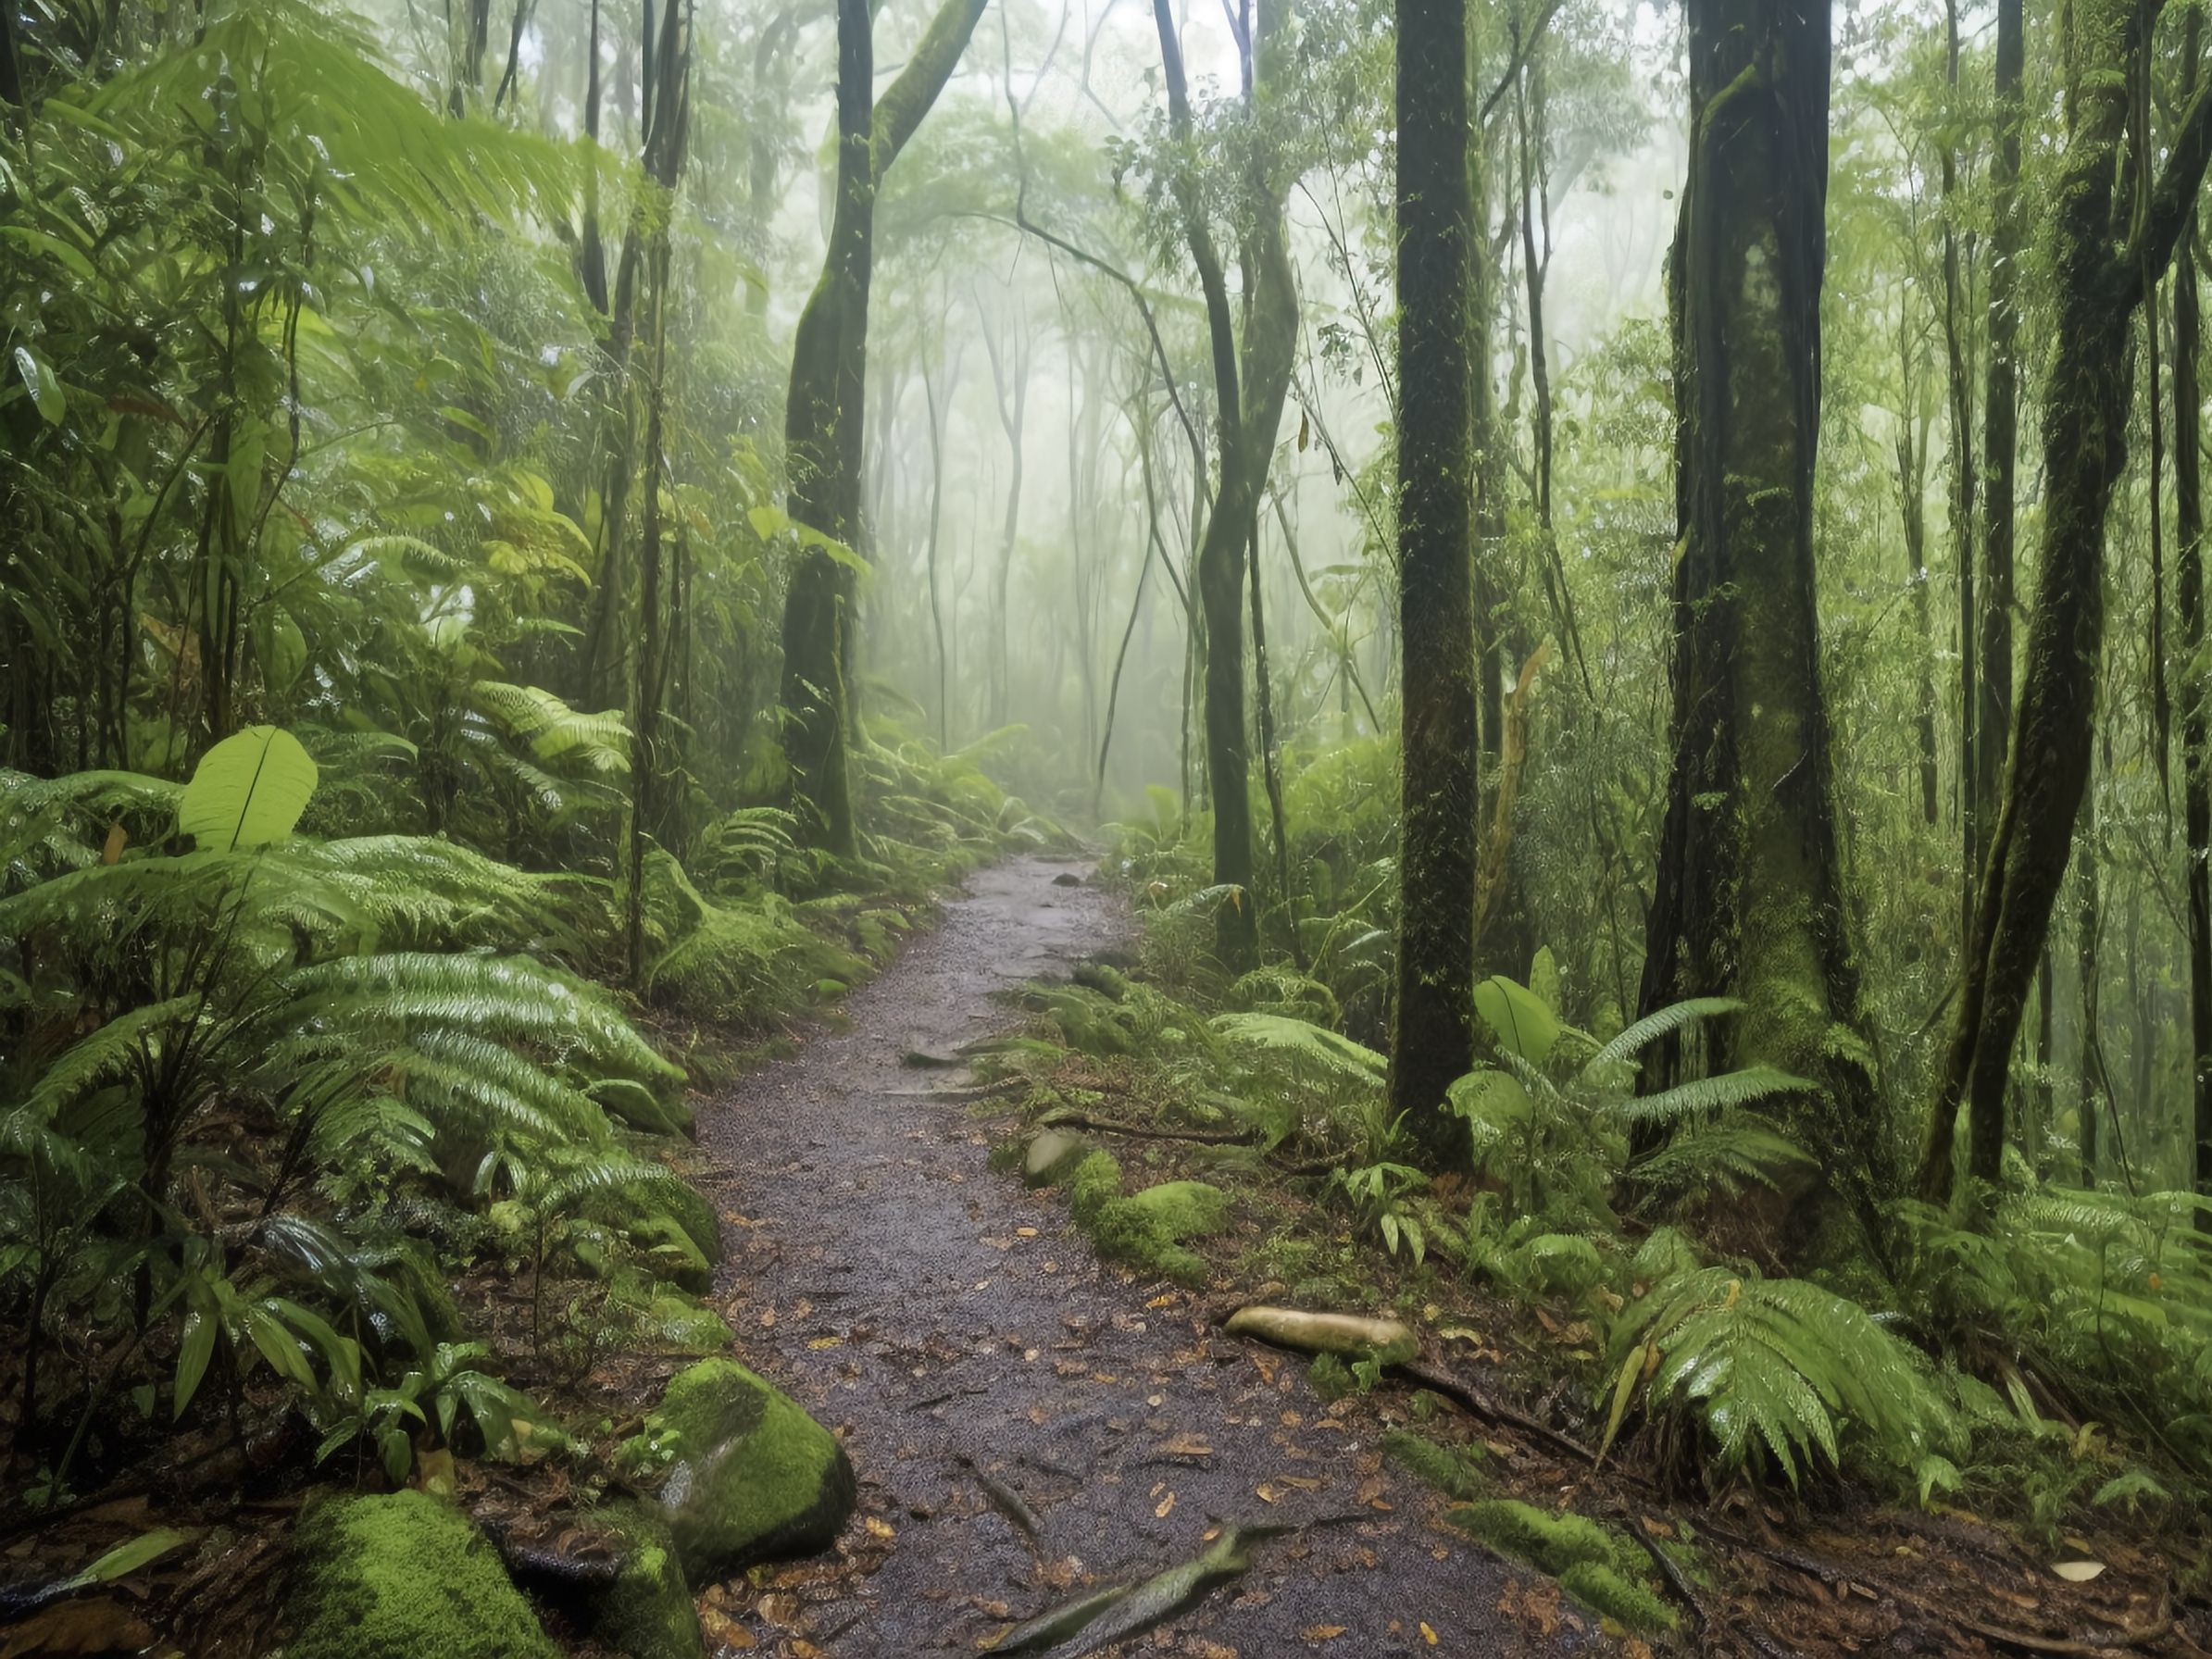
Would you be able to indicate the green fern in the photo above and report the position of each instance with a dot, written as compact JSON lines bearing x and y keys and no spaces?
{"x":1747,"y":1373}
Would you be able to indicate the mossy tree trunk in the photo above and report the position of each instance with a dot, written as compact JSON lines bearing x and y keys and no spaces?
{"x":2000,"y":423}
{"x":1431,"y":1036}
{"x":822,"y":416}
{"x":2196,"y":773}
{"x":2110,"y":246}
{"x":1749,"y":900}
{"x":1250,"y":389}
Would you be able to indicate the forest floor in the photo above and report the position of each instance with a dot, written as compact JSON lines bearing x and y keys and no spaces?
{"x":960,"y":1336}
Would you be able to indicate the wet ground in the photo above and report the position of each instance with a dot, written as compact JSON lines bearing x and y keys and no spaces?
{"x":978,"y":1360}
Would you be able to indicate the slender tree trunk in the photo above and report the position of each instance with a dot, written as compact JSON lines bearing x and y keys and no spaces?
{"x":2105,"y":255}
{"x":1431,"y":1035}
{"x":1999,"y":417}
{"x":1250,"y":402}
{"x":1749,"y":894}
{"x":825,"y":411}
{"x":2089,"y":924}
{"x":1972,"y":808}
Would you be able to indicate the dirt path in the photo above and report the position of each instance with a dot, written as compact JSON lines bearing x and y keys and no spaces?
{"x":933,"y":1311}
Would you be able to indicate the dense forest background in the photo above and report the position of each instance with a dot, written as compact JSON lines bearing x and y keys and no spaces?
{"x":1622,"y":584}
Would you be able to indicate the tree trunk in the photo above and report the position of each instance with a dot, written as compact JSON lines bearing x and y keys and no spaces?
{"x":2196,"y":773}
{"x":1749,"y":899}
{"x":1250,"y":398}
{"x":2099,"y":281}
{"x":1972,"y":807}
{"x":1433,"y":1037}
{"x":823,"y":415}
{"x":1999,"y":417}
{"x":2088,"y":922}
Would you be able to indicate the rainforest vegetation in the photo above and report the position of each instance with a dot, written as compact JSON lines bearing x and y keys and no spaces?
{"x":1602,"y":602}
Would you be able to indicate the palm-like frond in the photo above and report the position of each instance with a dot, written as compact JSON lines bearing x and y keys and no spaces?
{"x":1661,"y":1023}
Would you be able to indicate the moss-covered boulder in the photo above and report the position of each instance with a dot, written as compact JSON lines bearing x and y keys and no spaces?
{"x":403,"y":1577}
{"x":648,"y":1612}
{"x":751,"y":1477}
{"x":1146,"y":1230}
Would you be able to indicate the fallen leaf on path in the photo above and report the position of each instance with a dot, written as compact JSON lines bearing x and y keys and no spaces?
{"x":1428,"y":1635}
{"x":722,"y":1631}
{"x":1187,"y":1445}
{"x":879,"y":1527}
{"x":1160,"y":1510}
{"x":825,"y":1342}
{"x":1322,"y":1632}
{"x":2077,"y":1571}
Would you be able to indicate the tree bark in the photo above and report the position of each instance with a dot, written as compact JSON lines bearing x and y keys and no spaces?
{"x":2196,"y":773}
{"x":1749,"y":896}
{"x":2000,"y":421}
{"x":823,"y":414}
{"x":1432,"y":1035}
{"x":1249,"y":395}
{"x":2099,"y":278}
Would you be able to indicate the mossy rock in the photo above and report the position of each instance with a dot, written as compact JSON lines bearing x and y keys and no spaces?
{"x":1183,"y":1209}
{"x":1051,"y":1156}
{"x":751,"y":1477}
{"x":1625,"y":1601}
{"x":648,"y":1612}
{"x":1147,"y":1229}
{"x":403,"y":1577}
{"x":682,"y":1325}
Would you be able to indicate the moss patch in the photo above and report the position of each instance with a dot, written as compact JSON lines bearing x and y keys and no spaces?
{"x":647,"y":1613}
{"x":1448,"y":1469}
{"x":403,"y":1577}
{"x":1549,"y":1543}
{"x":1146,"y":1230}
{"x":1624,"y":1601}
{"x":751,"y":1477}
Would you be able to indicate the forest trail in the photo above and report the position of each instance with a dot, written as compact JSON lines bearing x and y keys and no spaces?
{"x":951,"y":1325}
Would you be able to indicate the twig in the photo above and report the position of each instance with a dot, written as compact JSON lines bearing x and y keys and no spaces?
{"x":1453,"y":1386}
{"x":1005,"y":1500}
{"x":1144,"y":1131}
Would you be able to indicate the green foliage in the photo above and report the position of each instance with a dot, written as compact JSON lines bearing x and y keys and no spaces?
{"x":166,"y":997}
{"x":1757,"y":1373}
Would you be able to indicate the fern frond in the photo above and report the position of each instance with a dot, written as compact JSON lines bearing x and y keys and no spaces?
{"x":1743,"y":1088}
{"x":1728,"y":1158}
{"x":1303,"y":1043}
{"x":1659,"y":1024}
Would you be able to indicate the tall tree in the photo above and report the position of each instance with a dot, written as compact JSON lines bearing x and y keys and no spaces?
{"x":2196,"y":773}
{"x":822,"y":418}
{"x":2113,"y":234}
{"x":1431,"y":1036}
{"x":2000,"y":425}
{"x":1749,"y":901}
{"x":1249,"y":395}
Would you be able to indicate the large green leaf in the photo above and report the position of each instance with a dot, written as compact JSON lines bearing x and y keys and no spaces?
{"x":1522,"y":1024}
{"x":248,"y":791}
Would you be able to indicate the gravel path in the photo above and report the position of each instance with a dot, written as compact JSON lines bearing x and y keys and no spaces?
{"x":950,"y":1326}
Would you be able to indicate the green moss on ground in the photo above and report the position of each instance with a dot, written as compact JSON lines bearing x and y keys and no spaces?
{"x":1146,"y":1230}
{"x":751,"y":1477}
{"x":403,"y":1577}
{"x":1624,"y":1601}
{"x":1449,"y":1469}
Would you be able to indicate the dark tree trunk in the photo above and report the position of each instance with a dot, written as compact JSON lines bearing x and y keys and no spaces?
{"x":2000,"y":428}
{"x":823,"y":415}
{"x":1749,"y":899}
{"x":2099,"y":282}
{"x":1973,"y":809}
{"x":1433,"y":1037}
{"x":2089,"y":923}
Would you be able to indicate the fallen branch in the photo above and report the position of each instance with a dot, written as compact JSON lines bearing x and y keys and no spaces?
{"x":1463,"y":1391}
{"x":1138,"y":1131}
